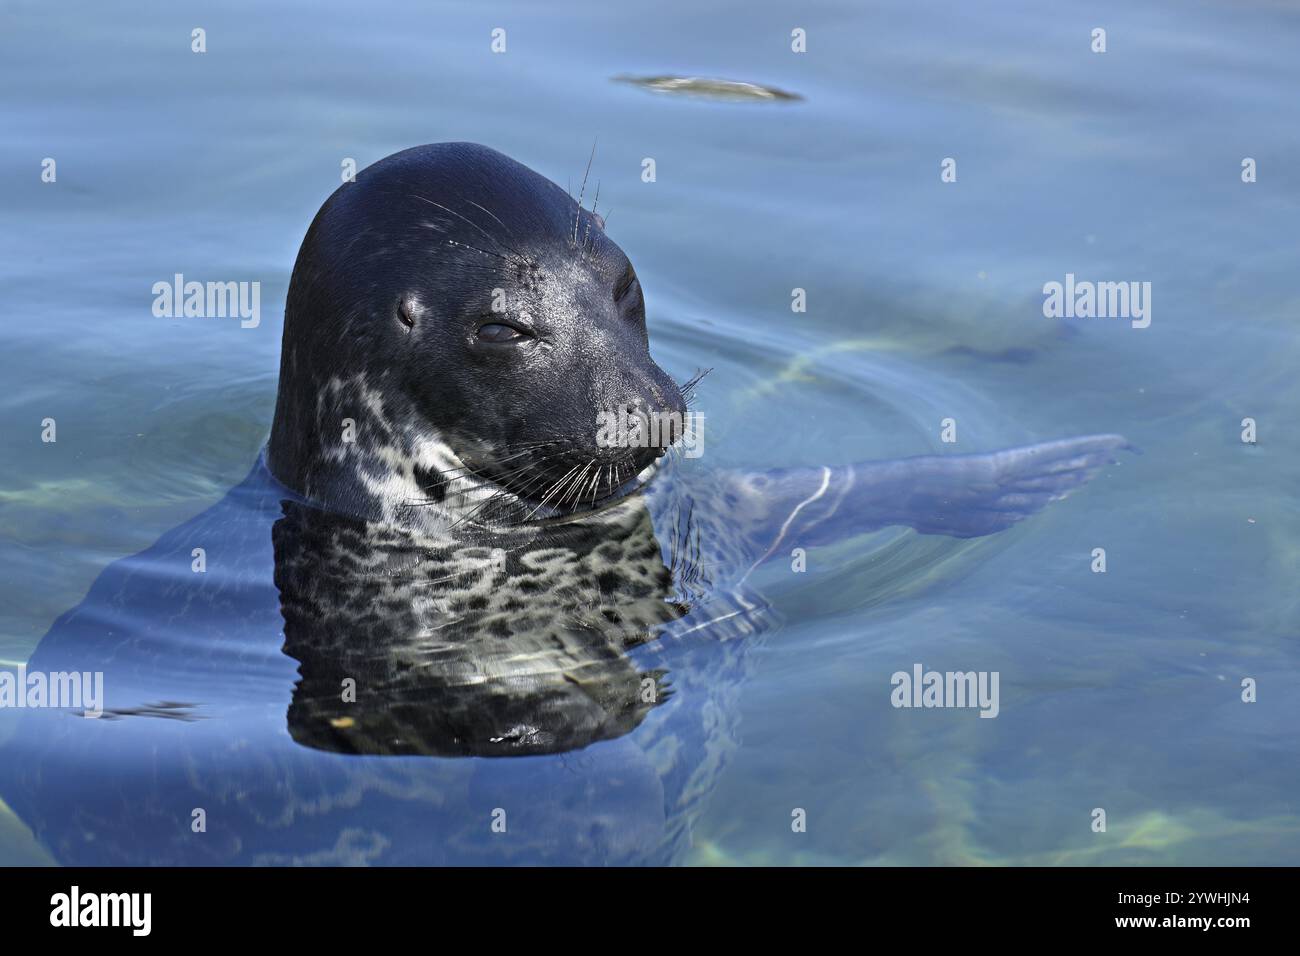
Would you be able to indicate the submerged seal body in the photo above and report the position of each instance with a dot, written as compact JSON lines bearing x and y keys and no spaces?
{"x":440,"y":560}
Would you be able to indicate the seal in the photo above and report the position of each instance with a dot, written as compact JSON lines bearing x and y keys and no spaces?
{"x":438,"y":558}
{"x":453,"y":325}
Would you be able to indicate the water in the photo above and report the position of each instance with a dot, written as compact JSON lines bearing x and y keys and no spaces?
{"x":1119,"y":691}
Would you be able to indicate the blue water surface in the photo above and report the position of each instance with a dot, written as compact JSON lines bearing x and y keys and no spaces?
{"x":1120,"y":691}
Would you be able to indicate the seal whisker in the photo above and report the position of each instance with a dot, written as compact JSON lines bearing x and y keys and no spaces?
{"x":496,"y":496}
{"x":468,"y":516}
{"x":568,"y":191}
{"x":574,"y":488}
{"x":487,"y":271}
{"x":501,"y":224}
{"x":688,"y":387}
{"x":461,"y":493}
{"x":471,"y":223}
{"x":486,"y":252}
{"x":507,"y":475}
{"x":582,"y":191}
{"x":554,"y":488}
{"x":492,"y":500}
{"x":586,"y":239}
{"x":466,"y":470}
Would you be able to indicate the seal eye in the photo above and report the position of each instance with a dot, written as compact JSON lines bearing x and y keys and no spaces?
{"x":496,"y":332}
{"x":625,"y":284}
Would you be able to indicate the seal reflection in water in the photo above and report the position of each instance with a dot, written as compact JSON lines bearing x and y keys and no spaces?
{"x":457,"y":648}
{"x":460,"y":567}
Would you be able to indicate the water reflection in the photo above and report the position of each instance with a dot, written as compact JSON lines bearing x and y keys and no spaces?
{"x":553,"y":650}
{"x":467,"y":647}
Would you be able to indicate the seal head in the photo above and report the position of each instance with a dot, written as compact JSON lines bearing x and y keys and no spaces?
{"x":456,"y":326}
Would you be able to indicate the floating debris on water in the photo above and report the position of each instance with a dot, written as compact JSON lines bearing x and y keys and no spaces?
{"x":709,"y":87}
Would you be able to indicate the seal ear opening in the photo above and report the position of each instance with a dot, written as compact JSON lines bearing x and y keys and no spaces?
{"x":405,"y":314}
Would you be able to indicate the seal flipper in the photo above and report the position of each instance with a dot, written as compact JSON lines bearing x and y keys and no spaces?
{"x":962,"y":496}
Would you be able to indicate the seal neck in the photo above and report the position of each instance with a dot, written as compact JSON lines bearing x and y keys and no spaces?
{"x":353,"y":448}
{"x":356,"y":451}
